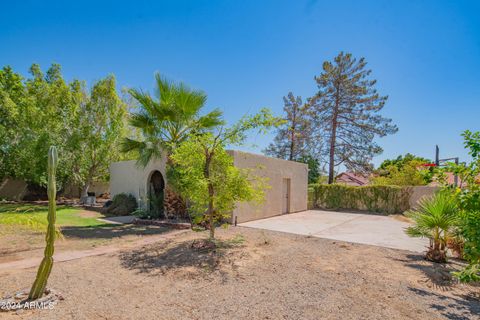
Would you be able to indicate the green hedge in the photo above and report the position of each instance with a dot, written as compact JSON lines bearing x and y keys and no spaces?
{"x":380,"y":199}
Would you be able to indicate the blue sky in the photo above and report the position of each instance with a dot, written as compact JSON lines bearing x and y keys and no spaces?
{"x":248,"y":54}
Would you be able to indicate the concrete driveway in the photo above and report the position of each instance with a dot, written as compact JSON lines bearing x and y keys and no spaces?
{"x":383,"y":231}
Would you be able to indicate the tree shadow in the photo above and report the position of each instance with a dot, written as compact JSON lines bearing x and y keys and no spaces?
{"x":460,"y":307}
{"x":159,"y":258}
{"x":439,"y":275}
{"x":110,"y":231}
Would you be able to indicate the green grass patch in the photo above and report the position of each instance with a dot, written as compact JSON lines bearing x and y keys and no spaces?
{"x":34,"y":217}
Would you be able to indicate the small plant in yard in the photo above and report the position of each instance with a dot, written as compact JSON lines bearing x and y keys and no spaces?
{"x":436,"y":219}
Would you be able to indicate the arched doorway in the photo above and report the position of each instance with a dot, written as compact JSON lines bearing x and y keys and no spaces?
{"x":156,"y":191}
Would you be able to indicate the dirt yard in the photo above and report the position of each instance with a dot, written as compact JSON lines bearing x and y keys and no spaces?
{"x":253,"y":274}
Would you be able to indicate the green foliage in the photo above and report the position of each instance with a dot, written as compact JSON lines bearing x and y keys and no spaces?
{"x":468,"y":199}
{"x":436,"y":218}
{"x":38,"y":287}
{"x":347,"y":107}
{"x":167,"y":121}
{"x":314,"y":172}
{"x":44,"y":110}
{"x":401,"y":161}
{"x":409,"y":173}
{"x":294,"y":138}
{"x":122,"y":204}
{"x":206,"y":176}
{"x":381,"y":199}
{"x":404,"y":171}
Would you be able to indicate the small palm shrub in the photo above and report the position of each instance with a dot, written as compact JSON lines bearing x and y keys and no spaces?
{"x":436,"y":219}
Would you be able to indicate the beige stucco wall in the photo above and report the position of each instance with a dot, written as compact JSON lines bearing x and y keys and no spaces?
{"x":420,"y":192}
{"x":12,"y":189}
{"x":128,"y":177}
{"x":275,"y":170}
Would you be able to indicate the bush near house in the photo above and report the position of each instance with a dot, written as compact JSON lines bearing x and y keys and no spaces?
{"x":381,"y":199}
{"x":122,"y":204}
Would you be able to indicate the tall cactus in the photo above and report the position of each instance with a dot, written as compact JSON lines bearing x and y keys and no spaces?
{"x":45,"y":268}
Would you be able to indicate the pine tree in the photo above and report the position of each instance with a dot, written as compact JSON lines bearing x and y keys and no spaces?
{"x":346,"y":113}
{"x":294,"y":137}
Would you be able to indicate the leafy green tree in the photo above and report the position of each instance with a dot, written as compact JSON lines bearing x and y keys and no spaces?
{"x":98,"y":129}
{"x":410,"y":173}
{"x":294,"y":137}
{"x":164,"y":122}
{"x":39,"y":112}
{"x":207,"y":176}
{"x":347,"y":108}
{"x":401,"y":161}
{"x":44,"y":110}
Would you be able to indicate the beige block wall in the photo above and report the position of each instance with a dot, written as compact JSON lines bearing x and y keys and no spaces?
{"x":421,"y":192}
{"x":127,"y":177}
{"x":275,"y":170}
{"x":12,"y":189}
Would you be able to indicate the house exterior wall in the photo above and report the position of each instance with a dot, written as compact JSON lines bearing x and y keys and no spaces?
{"x":275,"y":170}
{"x":127,"y":177}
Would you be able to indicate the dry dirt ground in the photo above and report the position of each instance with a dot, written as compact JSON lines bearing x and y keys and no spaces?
{"x":253,"y":274}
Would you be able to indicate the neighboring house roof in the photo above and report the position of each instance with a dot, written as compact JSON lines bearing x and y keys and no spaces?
{"x":352,"y":179}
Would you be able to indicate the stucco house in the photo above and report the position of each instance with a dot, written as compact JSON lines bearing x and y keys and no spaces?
{"x":288,"y":182}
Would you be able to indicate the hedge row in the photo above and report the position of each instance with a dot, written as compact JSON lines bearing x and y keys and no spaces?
{"x":380,"y":199}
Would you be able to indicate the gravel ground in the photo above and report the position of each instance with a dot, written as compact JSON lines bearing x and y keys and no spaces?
{"x":253,"y":274}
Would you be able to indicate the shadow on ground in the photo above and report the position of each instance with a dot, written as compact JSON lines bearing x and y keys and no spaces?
{"x":110,"y":231}
{"x":439,"y":276}
{"x":466,"y":307}
{"x":159,"y":258}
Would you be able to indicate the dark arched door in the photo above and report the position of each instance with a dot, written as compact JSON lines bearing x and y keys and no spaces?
{"x":156,"y":191}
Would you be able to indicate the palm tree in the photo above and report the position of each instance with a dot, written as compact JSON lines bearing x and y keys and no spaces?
{"x":436,"y":218}
{"x":166,"y":121}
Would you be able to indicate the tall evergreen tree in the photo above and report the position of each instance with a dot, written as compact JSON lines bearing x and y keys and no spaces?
{"x":294,"y":138}
{"x":346,"y":113}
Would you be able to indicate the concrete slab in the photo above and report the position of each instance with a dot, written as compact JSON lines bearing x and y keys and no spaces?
{"x":369,"y":229}
{"x":118,"y":220}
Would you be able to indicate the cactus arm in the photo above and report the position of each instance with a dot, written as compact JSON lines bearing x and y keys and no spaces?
{"x":38,"y":287}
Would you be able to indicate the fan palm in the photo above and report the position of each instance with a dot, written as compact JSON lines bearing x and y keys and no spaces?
{"x":166,"y":120}
{"x":436,"y":218}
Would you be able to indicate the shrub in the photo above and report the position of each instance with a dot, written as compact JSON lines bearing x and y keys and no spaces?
{"x":381,"y":199}
{"x":436,"y":219}
{"x":122,"y":204}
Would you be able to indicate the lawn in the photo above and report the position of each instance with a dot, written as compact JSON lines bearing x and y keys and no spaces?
{"x":23,"y":226}
{"x":34,"y":217}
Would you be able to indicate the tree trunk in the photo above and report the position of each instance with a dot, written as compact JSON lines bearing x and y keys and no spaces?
{"x":333,"y":138}
{"x":211,"y":193}
{"x":84,"y":192}
{"x":292,"y":135}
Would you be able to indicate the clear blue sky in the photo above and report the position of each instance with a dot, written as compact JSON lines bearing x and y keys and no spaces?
{"x":248,"y":54}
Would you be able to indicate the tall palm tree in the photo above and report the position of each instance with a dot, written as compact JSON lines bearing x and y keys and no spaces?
{"x":165,"y":121}
{"x":436,"y":219}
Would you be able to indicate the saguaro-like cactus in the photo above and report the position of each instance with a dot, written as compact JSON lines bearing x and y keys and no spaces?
{"x":45,"y":268}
